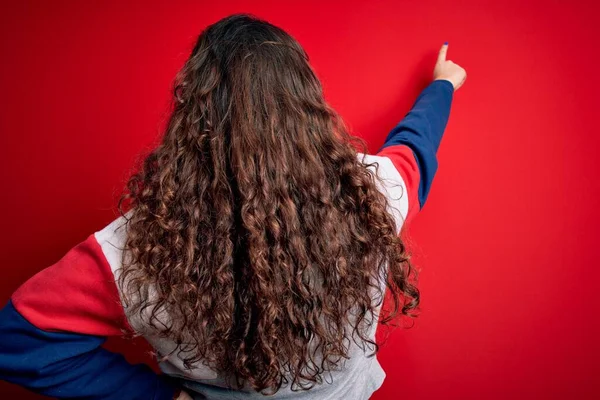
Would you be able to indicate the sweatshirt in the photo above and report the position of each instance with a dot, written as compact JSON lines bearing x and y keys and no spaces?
{"x":54,"y":325}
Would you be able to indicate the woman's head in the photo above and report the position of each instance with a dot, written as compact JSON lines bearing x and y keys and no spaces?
{"x":254,"y":221}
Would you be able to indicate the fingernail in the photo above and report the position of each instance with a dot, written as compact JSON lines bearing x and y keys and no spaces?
{"x":446,"y":43}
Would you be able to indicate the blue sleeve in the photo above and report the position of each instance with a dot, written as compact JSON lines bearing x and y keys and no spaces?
{"x":67,"y":365}
{"x":422,"y":130}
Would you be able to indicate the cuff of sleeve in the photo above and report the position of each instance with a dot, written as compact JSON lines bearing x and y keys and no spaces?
{"x":444,"y":83}
{"x":166,"y":388}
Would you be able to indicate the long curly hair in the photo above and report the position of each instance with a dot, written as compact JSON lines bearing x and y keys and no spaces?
{"x":254,"y":225}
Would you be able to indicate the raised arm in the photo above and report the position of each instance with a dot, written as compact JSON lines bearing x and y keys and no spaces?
{"x":52,"y":329}
{"x":413,"y":144}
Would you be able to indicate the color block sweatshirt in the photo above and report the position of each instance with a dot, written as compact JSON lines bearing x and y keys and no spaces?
{"x":53,"y":327}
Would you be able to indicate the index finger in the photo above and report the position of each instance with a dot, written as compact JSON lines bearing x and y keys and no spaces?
{"x":443,"y":51}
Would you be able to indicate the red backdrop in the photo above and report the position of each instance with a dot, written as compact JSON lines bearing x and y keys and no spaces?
{"x":507,"y":243}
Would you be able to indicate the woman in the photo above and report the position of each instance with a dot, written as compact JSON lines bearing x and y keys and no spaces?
{"x":253,"y":248}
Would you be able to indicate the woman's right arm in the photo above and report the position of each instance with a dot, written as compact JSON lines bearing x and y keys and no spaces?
{"x":412,"y":145}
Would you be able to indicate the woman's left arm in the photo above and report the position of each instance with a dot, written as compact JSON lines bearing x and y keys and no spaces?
{"x":53,"y":327}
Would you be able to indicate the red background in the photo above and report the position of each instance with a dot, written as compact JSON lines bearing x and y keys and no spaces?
{"x":507,"y":241}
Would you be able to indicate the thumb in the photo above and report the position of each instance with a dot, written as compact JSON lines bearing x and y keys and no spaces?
{"x":442,"y":54}
{"x":184,"y":396}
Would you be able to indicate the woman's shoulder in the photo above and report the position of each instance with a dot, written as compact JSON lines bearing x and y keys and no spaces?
{"x":390,"y":183}
{"x":111,"y":238}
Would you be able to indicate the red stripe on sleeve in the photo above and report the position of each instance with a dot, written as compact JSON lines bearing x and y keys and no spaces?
{"x":76,"y":294}
{"x":406,"y":164}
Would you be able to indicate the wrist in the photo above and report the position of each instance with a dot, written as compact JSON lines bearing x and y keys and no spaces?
{"x":445,"y":82}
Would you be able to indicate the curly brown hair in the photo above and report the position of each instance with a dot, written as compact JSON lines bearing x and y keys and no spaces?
{"x":254,"y":224}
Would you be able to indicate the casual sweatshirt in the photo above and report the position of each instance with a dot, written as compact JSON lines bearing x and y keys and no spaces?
{"x":53,"y":327}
